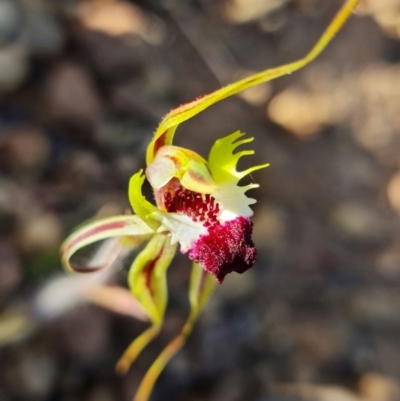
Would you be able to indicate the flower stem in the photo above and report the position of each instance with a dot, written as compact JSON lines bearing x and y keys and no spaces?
{"x":135,"y":348}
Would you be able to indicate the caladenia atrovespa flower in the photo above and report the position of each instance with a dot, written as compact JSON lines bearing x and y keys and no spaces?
{"x":202,"y":207}
{"x":199,"y":206}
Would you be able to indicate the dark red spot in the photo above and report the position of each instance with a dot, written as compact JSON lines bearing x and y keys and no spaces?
{"x":192,"y":204}
{"x":226,"y":248}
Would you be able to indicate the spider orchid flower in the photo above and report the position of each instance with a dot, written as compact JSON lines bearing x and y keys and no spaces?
{"x":198,"y":206}
{"x":201,"y":207}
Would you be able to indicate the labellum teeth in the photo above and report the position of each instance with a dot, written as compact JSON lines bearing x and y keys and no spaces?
{"x":192,"y":204}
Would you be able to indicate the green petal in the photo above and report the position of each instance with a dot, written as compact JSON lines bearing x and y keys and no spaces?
{"x":142,"y":207}
{"x":117,"y":226}
{"x":147,"y":276}
{"x":200,"y":288}
{"x":147,"y":281}
{"x":135,"y":348}
{"x":166,"y":130}
{"x":223,"y":161}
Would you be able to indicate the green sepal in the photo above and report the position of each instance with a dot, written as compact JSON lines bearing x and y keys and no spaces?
{"x":147,"y":276}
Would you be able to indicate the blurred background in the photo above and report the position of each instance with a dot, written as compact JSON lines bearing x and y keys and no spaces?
{"x":83,"y":85}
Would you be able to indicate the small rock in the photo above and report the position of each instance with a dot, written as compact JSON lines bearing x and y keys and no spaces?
{"x":31,"y":376}
{"x":242,"y":11}
{"x":123,"y":135}
{"x":376,"y":308}
{"x":40,"y":233}
{"x":114,"y":59}
{"x":269,"y":228}
{"x":86,"y":335}
{"x":10,"y":20}
{"x":42,"y":35}
{"x":308,"y":392}
{"x":8,"y":221}
{"x":14,"y":67}
{"x":302,"y":113}
{"x":376,"y":387}
{"x":393,"y":192}
{"x":359,"y":224}
{"x":100,"y":393}
{"x":317,"y":346}
{"x":10,"y":270}
{"x":85,"y":168}
{"x":115,"y":17}
{"x":71,"y":94}
{"x":230,"y":388}
{"x":15,"y":325}
{"x":388,"y":263}
{"x":28,"y":149}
